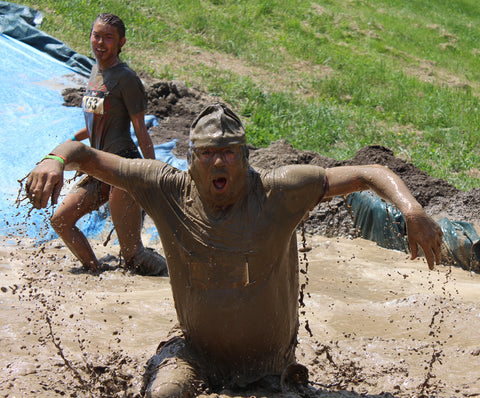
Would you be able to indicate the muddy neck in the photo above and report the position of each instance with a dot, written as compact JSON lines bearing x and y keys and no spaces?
{"x":103,"y":66}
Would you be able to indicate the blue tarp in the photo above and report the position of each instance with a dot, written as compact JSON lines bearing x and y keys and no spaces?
{"x":378,"y":221}
{"x":19,"y":22}
{"x":33,"y":121}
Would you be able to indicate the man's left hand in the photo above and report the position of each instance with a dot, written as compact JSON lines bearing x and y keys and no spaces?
{"x":423,"y":231}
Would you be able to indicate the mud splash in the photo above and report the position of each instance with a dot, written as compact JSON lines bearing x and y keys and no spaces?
{"x":378,"y":324}
{"x":374,"y":323}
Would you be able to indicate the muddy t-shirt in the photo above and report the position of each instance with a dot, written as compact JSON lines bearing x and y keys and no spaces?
{"x":111,"y":97}
{"x":234,"y":275}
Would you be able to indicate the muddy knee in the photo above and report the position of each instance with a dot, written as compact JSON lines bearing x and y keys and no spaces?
{"x":146,"y":261}
{"x":170,"y":390}
{"x":171,"y":378}
{"x":58,"y":224}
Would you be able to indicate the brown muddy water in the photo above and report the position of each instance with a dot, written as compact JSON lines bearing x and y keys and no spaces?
{"x":373,"y":323}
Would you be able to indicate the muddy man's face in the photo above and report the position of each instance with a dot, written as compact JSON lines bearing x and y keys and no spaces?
{"x":220,"y":174}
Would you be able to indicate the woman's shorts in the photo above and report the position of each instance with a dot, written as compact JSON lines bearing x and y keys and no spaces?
{"x":97,"y":190}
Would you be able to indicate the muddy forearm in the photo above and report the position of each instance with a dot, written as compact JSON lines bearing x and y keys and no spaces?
{"x":80,"y":135}
{"x":101,"y":165}
{"x":390,"y":187}
{"x":77,"y":155}
{"x":380,"y":179}
{"x":421,"y":229}
{"x":144,"y":141}
{"x":46,"y":179}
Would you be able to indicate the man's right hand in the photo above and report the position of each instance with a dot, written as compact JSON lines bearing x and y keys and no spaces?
{"x":44,"y":182}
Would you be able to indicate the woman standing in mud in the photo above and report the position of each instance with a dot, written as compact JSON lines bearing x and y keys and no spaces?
{"x":114,"y":97}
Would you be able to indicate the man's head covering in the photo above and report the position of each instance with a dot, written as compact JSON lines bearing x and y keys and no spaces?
{"x":216,"y":126}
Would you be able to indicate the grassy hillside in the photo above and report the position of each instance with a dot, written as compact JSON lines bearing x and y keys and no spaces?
{"x":327,"y":75}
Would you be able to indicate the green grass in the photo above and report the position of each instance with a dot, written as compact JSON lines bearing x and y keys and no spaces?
{"x":335,"y":74}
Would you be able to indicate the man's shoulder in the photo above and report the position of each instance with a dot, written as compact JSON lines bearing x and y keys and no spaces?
{"x":152,"y":169}
{"x":290,"y":174}
{"x":294,"y":188}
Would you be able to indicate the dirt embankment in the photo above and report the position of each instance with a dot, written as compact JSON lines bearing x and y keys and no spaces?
{"x":176,"y":105}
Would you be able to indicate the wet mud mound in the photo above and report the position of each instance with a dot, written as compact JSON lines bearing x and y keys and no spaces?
{"x":175,"y":105}
{"x":438,"y":197}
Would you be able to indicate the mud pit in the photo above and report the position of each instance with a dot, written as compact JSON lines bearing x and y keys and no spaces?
{"x":381,"y":325}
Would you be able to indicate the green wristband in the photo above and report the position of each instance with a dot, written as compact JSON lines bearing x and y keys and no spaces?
{"x":61,"y":160}
{"x":73,"y":138}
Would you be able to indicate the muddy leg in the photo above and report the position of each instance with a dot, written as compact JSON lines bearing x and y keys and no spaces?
{"x":87,"y":196}
{"x":127,"y":219}
{"x":171,"y":372}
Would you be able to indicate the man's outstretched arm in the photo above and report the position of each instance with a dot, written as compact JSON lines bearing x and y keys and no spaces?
{"x":45,"y":181}
{"x":421,"y":229}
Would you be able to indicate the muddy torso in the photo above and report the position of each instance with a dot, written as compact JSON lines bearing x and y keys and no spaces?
{"x":110,"y":98}
{"x":234,"y":275}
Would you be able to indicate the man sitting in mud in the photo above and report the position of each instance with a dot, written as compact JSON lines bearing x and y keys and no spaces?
{"x":229,"y":236}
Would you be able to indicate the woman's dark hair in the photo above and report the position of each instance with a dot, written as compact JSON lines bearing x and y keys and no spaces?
{"x":112,"y":20}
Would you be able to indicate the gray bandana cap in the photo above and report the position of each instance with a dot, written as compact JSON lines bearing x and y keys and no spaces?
{"x":216,"y":126}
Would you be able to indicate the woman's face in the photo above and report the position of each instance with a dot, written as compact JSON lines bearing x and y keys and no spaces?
{"x":106,"y":44}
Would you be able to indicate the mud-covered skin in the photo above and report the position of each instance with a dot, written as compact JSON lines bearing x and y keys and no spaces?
{"x":114,"y":99}
{"x":220,"y":178}
{"x":232,"y":258}
{"x":234,"y":273}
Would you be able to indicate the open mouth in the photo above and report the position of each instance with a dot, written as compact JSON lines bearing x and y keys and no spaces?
{"x":219,"y":183}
